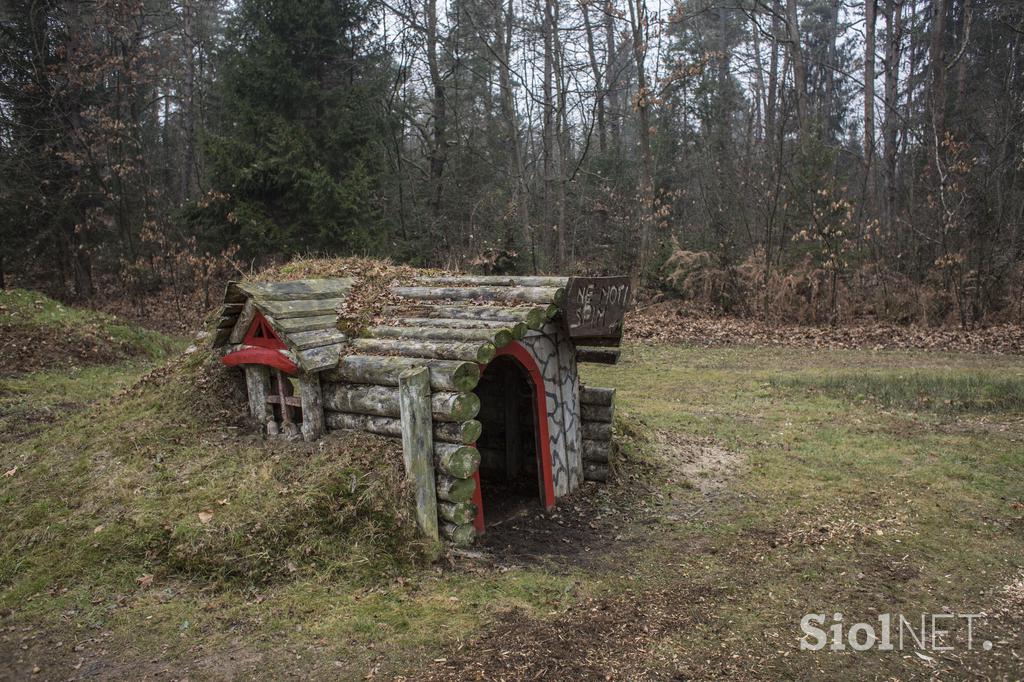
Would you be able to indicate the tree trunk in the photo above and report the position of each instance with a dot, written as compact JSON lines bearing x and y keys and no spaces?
{"x":599,"y":92}
{"x":893,"y":42}
{"x":869,"y":102}
{"x":638,"y":26}
{"x":771,"y":105}
{"x":521,"y":193}
{"x":548,"y":134}
{"x":439,"y":151}
{"x":612,"y":84}
{"x":796,"y":58}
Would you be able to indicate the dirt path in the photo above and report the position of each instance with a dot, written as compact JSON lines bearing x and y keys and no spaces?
{"x":603,"y":530}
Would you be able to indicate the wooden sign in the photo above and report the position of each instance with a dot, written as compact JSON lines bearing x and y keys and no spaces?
{"x":595,"y":306}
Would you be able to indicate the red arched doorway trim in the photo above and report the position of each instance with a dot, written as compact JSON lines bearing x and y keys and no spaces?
{"x":260,"y":356}
{"x":261,"y":346}
{"x":522,"y":356}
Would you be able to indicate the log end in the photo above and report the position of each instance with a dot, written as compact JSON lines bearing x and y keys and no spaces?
{"x":486,"y":353}
{"x":461,"y":535}
{"x":502,"y":338}
{"x":466,"y":376}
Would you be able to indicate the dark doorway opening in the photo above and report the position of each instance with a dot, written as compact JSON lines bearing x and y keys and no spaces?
{"x":510,"y":468}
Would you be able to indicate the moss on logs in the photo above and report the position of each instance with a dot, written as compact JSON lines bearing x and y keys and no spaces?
{"x":463,"y":433}
{"x":597,"y":431}
{"x":461,"y":535}
{"x":481,"y":353}
{"x":383,"y":401}
{"x":445,"y":375}
{"x":493,"y":280}
{"x":418,"y":445}
{"x":518,"y":328}
{"x":455,"y":489}
{"x":459,"y":514}
{"x":458,"y":461}
{"x":533,"y":316}
{"x":485,"y":293}
{"x":500,"y":337}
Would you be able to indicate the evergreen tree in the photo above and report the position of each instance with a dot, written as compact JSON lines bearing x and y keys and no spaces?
{"x":295,"y":155}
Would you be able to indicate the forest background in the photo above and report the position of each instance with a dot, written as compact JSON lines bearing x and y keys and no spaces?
{"x":807,"y":161}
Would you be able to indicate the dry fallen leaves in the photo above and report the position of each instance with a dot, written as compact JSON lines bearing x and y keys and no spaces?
{"x":674,"y":322}
{"x":10,"y":472}
{"x":144,"y":581}
{"x":205,"y":517}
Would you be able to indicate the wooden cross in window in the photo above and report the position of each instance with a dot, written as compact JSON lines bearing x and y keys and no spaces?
{"x":286,"y":401}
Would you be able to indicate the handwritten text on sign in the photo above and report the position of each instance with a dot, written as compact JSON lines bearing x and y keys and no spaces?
{"x":595,"y":306}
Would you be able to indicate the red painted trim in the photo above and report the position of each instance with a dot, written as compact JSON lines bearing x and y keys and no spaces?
{"x":517,"y":351}
{"x":260,"y":356}
{"x":262,"y":334}
{"x":478,"y":500}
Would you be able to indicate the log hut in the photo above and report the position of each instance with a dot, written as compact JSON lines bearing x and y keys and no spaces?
{"x":476,"y":374}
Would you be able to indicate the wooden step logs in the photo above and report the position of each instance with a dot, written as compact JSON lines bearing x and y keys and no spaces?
{"x":383,"y":401}
{"x":597,"y":431}
{"x":445,"y":375}
{"x":462,"y":433}
{"x":597,"y":450}
{"x":593,"y":395}
{"x":500,"y":337}
{"x":481,"y":353}
{"x":600,"y":356}
{"x":500,"y":294}
{"x":597,"y":411}
{"x":595,"y":471}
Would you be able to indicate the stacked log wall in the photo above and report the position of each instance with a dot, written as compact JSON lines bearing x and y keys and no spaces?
{"x":452,"y":326}
{"x":598,"y":413}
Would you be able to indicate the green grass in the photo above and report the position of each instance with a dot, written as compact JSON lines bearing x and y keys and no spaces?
{"x":949,"y":391}
{"x":848,"y":492}
{"x":307,"y":545}
{"x":912,"y":463}
{"x":21,"y":310}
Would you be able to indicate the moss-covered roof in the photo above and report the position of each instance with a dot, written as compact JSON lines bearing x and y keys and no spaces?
{"x":392,"y":311}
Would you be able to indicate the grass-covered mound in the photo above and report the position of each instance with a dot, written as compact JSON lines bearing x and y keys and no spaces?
{"x":168,"y":479}
{"x":37,"y":332}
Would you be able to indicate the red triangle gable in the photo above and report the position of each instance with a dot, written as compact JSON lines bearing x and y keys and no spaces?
{"x":262,"y":334}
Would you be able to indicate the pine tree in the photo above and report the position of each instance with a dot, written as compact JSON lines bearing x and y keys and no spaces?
{"x":295,"y":156}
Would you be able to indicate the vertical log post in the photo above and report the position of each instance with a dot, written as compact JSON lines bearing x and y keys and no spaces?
{"x":418,"y":444}
{"x":284,"y":390}
{"x":257,"y":383}
{"x":312,"y":406}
